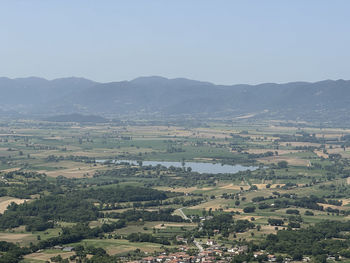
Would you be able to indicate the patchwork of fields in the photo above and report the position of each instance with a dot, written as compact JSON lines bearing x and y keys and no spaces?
{"x":55,"y":194}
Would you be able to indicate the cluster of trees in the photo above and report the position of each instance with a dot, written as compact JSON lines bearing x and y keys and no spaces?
{"x":144,"y":237}
{"x":41,"y":213}
{"x":335,"y":202}
{"x":23,"y":174}
{"x":325,"y":238}
{"x":77,"y":233}
{"x":310,"y":202}
{"x":136,"y":215}
{"x":225,"y":224}
{"x":11,"y":253}
{"x":76,"y":206}
{"x":275,"y":222}
{"x":336,"y":191}
{"x":259,"y":155}
{"x":25,"y":190}
{"x":122,"y":194}
{"x":145,"y":204}
{"x":84,"y":159}
{"x":293,"y":211}
{"x":287,"y":200}
{"x":30,"y":183}
{"x":174,"y":201}
{"x":249,"y":209}
{"x":96,"y":255}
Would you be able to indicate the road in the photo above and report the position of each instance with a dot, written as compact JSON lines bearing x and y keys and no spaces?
{"x":182,"y":214}
{"x":198,"y":246}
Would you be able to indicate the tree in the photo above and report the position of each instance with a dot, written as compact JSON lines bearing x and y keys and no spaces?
{"x":279,"y":259}
{"x":275,"y":222}
{"x":249,"y":209}
{"x":309,"y":213}
{"x":321,"y":258}
{"x":56,"y":259}
{"x":296,"y":255}
{"x":282,"y":164}
{"x":253,"y":187}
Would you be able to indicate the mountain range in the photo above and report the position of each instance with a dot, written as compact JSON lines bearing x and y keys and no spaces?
{"x":327,"y":100}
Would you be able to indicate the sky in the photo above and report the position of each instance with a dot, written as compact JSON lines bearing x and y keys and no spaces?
{"x":221,"y":41}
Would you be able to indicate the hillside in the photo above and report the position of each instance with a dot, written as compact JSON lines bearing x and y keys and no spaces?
{"x":158,"y":96}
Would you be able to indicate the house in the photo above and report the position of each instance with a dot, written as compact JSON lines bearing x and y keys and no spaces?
{"x":218,"y":252}
{"x":211,"y":242}
{"x":259,"y":253}
{"x":148,"y":260}
{"x":68,"y":249}
{"x":271,"y":258}
{"x":161,"y":258}
{"x":58,"y":247}
{"x":181,"y":239}
{"x":242,"y":249}
{"x":231,"y":250}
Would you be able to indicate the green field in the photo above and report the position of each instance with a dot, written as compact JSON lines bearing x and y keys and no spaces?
{"x":301,"y":169}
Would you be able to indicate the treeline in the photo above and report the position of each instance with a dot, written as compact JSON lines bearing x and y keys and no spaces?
{"x":300,"y":137}
{"x":259,"y":155}
{"x":41,"y":213}
{"x":311,"y":202}
{"x":24,"y":191}
{"x":136,"y":215}
{"x":77,"y":233}
{"x":225,"y":224}
{"x":144,"y":237}
{"x":304,"y":202}
{"x":11,"y":253}
{"x":77,"y":206}
{"x":146,"y":204}
{"x":84,"y":159}
{"x":287,"y":200}
{"x":325,"y":238}
{"x":31,"y":183}
{"x":24,"y":174}
{"x":122,"y":194}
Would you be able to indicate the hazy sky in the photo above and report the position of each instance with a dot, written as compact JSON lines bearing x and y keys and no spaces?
{"x":225,"y":42}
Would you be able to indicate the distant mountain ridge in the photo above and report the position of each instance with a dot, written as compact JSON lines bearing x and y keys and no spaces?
{"x":159,"y":96}
{"x":27,"y":93}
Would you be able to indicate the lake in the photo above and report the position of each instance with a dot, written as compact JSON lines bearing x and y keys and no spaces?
{"x":199,"y":167}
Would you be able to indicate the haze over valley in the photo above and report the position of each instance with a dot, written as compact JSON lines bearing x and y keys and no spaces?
{"x":325,"y":101}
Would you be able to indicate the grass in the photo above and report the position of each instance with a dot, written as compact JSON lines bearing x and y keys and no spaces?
{"x":117,"y":246}
{"x":26,"y":260}
{"x":204,"y":144}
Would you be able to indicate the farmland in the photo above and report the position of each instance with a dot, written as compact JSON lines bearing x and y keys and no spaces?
{"x":89,"y":187}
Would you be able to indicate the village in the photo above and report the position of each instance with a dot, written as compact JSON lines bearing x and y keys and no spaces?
{"x":212,"y":252}
{"x":219,"y":253}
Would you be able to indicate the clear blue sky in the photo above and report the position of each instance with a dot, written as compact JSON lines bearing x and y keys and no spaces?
{"x":225,"y":42}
